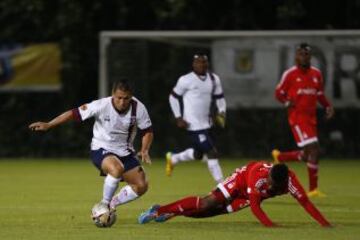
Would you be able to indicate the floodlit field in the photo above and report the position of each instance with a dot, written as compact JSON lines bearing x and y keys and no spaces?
{"x":51,"y":199}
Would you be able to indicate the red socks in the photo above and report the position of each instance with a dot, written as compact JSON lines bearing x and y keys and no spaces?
{"x":290,"y":156}
{"x":313,"y":175}
{"x":181,"y":207}
{"x":312,"y":167}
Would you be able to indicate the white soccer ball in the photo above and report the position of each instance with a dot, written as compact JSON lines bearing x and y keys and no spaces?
{"x":102,"y":216}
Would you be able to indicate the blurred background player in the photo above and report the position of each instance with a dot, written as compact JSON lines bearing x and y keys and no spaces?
{"x":249,"y":185}
{"x":116,"y":121}
{"x":195,"y":92}
{"x":300,"y":88}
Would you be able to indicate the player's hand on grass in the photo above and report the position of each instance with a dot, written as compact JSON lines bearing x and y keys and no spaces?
{"x":273,"y":225}
{"x":329,"y":112}
{"x":145,"y":157}
{"x":328,"y":225}
{"x":181,"y":123}
{"x":39,"y":126}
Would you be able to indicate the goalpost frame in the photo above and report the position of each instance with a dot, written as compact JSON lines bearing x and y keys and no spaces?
{"x":107,"y":36}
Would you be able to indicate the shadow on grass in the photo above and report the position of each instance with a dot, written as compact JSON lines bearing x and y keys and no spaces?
{"x":216,"y":226}
{"x":295,"y":203}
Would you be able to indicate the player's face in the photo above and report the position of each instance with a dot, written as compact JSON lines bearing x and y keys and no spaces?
{"x":273,"y":189}
{"x":303,"y":58}
{"x":121,"y":100}
{"x":200,"y":65}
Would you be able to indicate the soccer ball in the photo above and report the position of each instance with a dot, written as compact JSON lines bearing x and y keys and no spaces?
{"x":102,"y":216}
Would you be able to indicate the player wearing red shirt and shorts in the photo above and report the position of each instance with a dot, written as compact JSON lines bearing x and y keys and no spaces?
{"x":300,"y":88}
{"x":247,"y":186}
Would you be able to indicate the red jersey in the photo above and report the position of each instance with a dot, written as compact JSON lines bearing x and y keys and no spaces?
{"x":252,"y":179}
{"x":303,"y":88}
{"x":251,"y":182}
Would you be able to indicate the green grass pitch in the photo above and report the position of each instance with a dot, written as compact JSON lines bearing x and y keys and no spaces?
{"x":51,"y":199}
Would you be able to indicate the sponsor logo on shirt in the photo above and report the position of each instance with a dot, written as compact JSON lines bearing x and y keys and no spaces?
{"x":107,"y":118}
{"x":306,"y":91}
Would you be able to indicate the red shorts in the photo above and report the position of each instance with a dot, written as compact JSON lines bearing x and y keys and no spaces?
{"x":229,"y":188}
{"x":304,"y":133}
{"x":228,"y":193}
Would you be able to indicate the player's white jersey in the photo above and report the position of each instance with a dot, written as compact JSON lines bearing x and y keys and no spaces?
{"x":113,"y":131}
{"x":197,"y":95}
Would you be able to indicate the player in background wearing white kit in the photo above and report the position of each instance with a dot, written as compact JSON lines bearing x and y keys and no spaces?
{"x":196,"y":91}
{"x":116,"y":121}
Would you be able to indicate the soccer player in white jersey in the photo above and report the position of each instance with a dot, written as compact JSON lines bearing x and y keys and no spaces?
{"x":117,"y":119}
{"x":191,"y":101}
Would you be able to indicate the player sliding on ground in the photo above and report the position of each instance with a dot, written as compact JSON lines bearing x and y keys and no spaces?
{"x":249,"y":185}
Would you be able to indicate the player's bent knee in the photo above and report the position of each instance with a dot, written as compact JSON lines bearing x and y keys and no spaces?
{"x":116,"y":170}
{"x":213,"y":153}
{"x":113,"y":166}
{"x":198,"y":155}
{"x":207,"y":203}
{"x":311,"y":154}
{"x":141,"y":187}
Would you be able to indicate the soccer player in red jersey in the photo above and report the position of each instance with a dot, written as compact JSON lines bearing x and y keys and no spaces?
{"x":300,"y":88}
{"x":247,"y":186}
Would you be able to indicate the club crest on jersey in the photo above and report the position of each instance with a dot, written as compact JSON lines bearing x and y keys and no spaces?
{"x":298,"y":79}
{"x":315,"y":80}
{"x":260,"y":182}
{"x":107,"y":118}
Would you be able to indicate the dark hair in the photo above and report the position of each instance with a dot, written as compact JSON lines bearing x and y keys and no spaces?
{"x":279,"y":175}
{"x":303,"y":46}
{"x":122,"y":85}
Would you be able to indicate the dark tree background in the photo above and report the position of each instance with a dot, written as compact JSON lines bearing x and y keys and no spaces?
{"x":75,"y":26}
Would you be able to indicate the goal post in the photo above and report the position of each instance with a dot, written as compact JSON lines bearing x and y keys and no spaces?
{"x":250,"y":63}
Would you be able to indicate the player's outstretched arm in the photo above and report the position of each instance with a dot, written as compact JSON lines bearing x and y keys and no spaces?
{"x":258,"y":212}
{"x":298,"y":192}
{"x":315,"y":213}
{"x":44,"y":126}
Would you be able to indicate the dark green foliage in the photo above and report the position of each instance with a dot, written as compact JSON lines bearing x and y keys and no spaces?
{"x":75,"y":26}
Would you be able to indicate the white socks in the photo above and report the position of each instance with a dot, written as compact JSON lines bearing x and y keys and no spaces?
{"x":186,"y":155}
{"x":125,"y":195}
{"x":215,"y":170}
{"x":110,"y":186}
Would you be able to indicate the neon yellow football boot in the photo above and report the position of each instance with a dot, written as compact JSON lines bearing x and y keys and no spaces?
{"x":316,"y":193}
{"x":169,"y":166}
{"x":275,"y":154}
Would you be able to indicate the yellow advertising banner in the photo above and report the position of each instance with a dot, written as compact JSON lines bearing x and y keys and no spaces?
{"x":30,"y":68}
